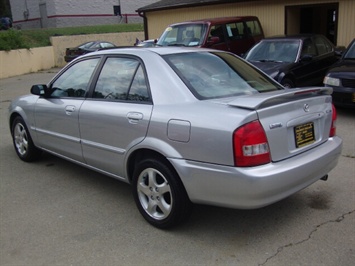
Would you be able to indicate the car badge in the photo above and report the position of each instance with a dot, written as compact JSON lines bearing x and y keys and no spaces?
{"x":306,"y":107}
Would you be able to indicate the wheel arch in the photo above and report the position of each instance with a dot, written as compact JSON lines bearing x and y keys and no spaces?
{"x":12,"y":118}
{"x":141,"y":154}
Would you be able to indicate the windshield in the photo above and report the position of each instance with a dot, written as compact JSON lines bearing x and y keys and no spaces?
{"x":275,"y":51}
{"x":183,"y":35}
{"x":350,"y":53}
{"x":215,"y":75}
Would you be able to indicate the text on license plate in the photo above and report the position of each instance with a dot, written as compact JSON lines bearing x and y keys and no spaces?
{"x":304,"y":134}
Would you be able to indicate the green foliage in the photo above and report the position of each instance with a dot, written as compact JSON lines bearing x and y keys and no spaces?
{"x":16,"y":39}
{"x":12,"y":39}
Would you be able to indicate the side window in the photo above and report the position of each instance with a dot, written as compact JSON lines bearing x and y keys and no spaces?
{"x":308,"y":48}
{"x":235,"y":30}
{"x":217,"y":31}
{"x":139,"y":89}
{"x":322,"y":45}
{"x":75,"y":80}
{"x":253,"y":28}
{"x":122,"y":79}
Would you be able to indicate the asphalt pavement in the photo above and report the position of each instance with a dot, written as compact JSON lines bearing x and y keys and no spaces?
{"x":53,"y":212}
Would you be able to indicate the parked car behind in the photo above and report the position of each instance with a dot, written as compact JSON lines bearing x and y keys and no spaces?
{"x":234,"y":34}
{"x":183,"y":126}
{"x":146,"y":43}
{"x":88,"y":47}
{"x":294,"y":61}
{"x":341,"y":77}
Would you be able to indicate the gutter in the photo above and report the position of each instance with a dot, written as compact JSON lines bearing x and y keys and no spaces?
{"x":145,"y":23}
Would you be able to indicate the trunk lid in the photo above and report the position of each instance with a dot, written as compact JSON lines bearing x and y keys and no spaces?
{"x":294,"y":120}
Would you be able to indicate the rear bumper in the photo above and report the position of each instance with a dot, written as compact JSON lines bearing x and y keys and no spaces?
{"x":255,"y":187}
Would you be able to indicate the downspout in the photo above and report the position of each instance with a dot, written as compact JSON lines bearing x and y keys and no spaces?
{"x":145,"y":24}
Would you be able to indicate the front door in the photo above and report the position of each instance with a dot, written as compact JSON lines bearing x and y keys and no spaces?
{"x":57,"y":116}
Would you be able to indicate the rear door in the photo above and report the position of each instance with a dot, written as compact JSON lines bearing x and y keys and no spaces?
{"x":117,"y":115}
{"x":243,"y":35}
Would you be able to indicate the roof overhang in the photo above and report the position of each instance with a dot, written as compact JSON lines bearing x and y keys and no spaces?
{"x":174,"y":4}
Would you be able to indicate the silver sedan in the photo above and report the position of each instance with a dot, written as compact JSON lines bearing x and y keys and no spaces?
{"x":181,"y":125}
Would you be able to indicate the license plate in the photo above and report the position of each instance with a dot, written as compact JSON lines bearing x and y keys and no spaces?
{"x":304,"y":134}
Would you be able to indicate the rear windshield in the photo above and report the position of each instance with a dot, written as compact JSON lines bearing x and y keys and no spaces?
{"x":212,"y":75}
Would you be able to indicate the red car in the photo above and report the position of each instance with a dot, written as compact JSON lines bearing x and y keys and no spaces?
{"x":233,"y":34}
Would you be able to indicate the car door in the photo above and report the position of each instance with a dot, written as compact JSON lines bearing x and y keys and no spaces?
{"x":220,"y":32}
{"x":56,"y":116}
{"x":243,"y":35}
{"x":117,"y":116}
{"x":306,"y":69}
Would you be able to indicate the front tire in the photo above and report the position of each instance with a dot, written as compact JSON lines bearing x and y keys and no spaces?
{"x":22,"y":141}
{"x":159,"y":194}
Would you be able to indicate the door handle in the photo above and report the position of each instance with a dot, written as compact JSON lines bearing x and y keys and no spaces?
{"x":69,"y":109}
{"x":134,"y":117}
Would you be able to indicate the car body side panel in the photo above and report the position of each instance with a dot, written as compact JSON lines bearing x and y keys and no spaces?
{"x":56,"y":126}
{"x":109,"y":129}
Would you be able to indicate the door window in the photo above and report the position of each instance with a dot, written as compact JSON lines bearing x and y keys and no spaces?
{"x":235,"y":30}
{"x":323,"y":46}
{"x":75,"y":80}
{"x":308,"y":48}
{"x":253,"y":28}
{"x":217,"y":31}
{"x":122,"y":79}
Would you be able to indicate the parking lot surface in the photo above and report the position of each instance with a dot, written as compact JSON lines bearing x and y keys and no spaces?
{"x":53,"y":212}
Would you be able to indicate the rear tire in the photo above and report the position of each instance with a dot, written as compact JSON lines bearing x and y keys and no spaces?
{"x":159,"y":194}
{"x":22,"y":141}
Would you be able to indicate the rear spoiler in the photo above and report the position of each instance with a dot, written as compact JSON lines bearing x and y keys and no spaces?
{"x":260,"y":100}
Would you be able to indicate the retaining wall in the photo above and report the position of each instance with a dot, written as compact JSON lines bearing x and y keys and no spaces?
{"x":23,"y":61}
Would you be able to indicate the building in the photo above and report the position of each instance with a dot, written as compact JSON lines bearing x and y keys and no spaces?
{"x":56,"y":13}
{"x":332,"y":18}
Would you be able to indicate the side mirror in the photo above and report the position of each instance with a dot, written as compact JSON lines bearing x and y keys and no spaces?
{"x":306,"y":58}
{"x":339,"y":50}
{"x":213,"y":40}
{"x":40,"y":90}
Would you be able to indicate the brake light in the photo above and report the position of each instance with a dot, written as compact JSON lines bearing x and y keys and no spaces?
{"x":250,"y":145}
{"x":334,"y":120}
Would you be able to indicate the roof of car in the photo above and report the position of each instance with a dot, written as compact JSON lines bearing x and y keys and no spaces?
{"x":157,"y":50}
{"x":294,"y":36}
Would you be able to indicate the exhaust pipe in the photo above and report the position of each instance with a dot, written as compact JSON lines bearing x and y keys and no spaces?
{"x":324,"y":178}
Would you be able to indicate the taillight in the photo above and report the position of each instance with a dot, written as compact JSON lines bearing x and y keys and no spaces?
{"x":250,"y":145}
{"x":334,"y":120}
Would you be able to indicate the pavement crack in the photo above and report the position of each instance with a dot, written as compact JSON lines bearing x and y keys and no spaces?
{"x":280,"y":249}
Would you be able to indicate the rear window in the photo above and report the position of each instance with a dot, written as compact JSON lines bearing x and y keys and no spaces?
{"x":215,"y":75}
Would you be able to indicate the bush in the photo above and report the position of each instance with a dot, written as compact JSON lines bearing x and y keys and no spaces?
{"x":12,"y":39}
